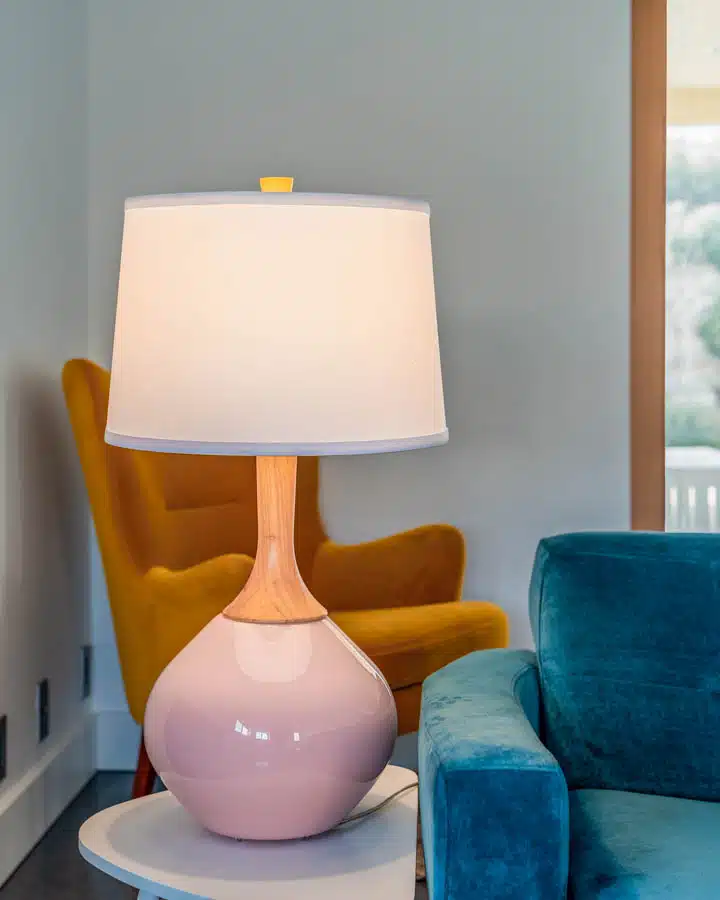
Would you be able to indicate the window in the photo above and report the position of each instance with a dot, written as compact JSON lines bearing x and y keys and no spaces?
{"x":692,"y":285}
{"x":692,"y":332}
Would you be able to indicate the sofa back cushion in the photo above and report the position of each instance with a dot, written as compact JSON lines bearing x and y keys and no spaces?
{"x":627,"y":627}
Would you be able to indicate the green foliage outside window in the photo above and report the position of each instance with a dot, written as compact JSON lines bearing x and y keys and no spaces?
{"x":693,"y":180}
{"x":692,"y":426}
{"x":696,"y":184}
{"x":698,"y":249}
{"x":708,"y":329}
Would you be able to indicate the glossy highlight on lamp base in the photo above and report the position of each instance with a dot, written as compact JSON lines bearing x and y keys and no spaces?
{"x":270,"y":732}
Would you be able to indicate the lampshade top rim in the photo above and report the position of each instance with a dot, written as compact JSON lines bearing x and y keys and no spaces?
{"x":259,"y":198}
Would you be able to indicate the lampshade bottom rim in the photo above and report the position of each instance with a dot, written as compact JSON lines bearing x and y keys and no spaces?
{"x":319,"y":448}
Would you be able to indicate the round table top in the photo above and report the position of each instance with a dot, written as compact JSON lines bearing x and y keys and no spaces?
{"x":153,"y":844}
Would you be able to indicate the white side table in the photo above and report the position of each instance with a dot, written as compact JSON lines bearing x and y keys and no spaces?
{"x":154,"y":845}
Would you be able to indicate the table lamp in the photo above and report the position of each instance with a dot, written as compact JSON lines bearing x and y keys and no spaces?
{"x":274,"y":324}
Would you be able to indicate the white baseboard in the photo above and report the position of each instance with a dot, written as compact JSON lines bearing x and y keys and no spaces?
{"x":29,"y":807}
{"x":117,"y":738}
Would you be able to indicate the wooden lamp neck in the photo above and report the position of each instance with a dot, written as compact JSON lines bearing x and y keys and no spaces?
{"x":276,"y":490}
{"x":275,"y":593}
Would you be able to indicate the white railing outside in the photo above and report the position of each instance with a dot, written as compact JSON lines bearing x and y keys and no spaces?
{"x":692,"y":489}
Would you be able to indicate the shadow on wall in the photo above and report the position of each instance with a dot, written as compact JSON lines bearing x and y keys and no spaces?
{"x":46,"y":540}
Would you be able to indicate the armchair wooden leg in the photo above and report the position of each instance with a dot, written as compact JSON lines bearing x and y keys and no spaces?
{"x":145,"y":775}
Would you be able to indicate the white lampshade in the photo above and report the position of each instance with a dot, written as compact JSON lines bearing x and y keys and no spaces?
{"x":275,"y":323}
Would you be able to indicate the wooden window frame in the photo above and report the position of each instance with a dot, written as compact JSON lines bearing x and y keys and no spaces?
{"x":647,"y":267}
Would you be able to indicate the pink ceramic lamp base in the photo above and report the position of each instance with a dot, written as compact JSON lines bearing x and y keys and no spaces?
{"x":271,"y":724}
{"x":269,"y":732}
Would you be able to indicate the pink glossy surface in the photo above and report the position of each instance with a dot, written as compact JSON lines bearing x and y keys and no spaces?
{"x":270,"y":732}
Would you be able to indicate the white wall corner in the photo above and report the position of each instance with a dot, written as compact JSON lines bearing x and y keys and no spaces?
{"x":117,"y":738}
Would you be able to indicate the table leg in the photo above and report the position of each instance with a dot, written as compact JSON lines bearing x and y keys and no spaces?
{"x":145,"y":895}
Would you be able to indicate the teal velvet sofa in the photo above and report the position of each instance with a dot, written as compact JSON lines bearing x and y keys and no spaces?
{"x":590,"y":769}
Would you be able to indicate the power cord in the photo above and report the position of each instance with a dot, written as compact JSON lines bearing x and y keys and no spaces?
{"x":356,"y":817}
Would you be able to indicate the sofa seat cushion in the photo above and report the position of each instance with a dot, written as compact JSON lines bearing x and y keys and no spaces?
{"x":629,"y":846}
{"x":411,"y":642}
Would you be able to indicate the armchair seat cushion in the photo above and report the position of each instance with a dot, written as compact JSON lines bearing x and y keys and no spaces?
{"x":411,"y":642}
{"x":632,"y":846}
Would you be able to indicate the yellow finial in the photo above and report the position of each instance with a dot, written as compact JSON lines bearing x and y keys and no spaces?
{"x":276,"y":184}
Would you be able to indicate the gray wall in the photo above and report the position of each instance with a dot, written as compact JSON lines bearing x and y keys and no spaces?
{"x":512,"y":118}
{"x":43,"y":321}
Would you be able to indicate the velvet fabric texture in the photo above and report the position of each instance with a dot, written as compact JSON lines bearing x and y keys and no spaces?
{"x":178,"y":533}
{"x":494,"y":801}
{"x":627,"y":628}
{"x":626,"y":845}
{"x":621,"y":714}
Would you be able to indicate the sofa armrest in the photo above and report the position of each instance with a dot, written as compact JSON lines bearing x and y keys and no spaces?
{"x":494,"y":800}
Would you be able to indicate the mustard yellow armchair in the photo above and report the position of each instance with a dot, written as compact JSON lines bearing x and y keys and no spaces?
{"x":177,"y":534}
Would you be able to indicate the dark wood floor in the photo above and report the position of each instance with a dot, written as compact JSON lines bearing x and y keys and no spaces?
{"x":55,"y":869}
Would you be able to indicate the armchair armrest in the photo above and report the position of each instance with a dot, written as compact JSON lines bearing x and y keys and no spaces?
{"x":494,"y":800}
{"x":424,"y":565}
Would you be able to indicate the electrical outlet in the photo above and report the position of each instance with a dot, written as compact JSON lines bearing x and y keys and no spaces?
{"x":42,"y":707}
{"x":3,"y":747}
{"x":87,"y":670}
